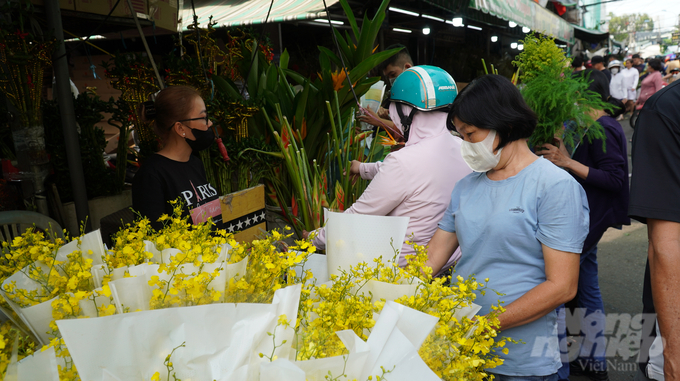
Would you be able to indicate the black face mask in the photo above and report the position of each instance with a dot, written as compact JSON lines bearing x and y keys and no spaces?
{"x":204,"y":139}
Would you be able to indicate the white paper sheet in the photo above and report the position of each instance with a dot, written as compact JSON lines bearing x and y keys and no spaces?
{"x":355,"y":238}
{"x":281,"y":370}
{"x":394,"y":343}
{"x":387,"y":291}
{"x":318,"y":264}
{"x":220,"y":339}
{"x":40,"y":366}
{"x":90,"y":241}
{"x":372,"y":100}
{"x":38,"y":317}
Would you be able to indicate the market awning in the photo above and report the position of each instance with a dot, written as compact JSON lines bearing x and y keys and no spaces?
{"x":530,"y":14}
{"x":247,"y":12}
{"x":590,"y":35}
{"x":566,"y":3}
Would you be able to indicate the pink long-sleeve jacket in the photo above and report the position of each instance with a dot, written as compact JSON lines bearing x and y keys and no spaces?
{"x":415,"y":181}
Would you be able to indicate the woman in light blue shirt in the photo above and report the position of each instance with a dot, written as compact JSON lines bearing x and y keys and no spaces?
{"x":519,"y":221}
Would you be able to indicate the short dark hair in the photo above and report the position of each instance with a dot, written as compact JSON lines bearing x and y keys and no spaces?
{"x":596,"y":59}
{"x":493,"y":102}
{"x":398,"y":59}
{"x":599,"y":83}
{"x":636,"y":56}
{"x":577,"y":61}
{"x":655,"y":64}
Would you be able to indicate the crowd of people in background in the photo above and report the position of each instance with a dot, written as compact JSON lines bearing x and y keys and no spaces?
{"x":633,"y":80}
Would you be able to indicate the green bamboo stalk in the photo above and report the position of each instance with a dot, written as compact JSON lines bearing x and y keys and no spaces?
{"x":336,"y":140}
{"x":303,"y":206}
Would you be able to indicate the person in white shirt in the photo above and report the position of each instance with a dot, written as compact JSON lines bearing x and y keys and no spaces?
{"x":616,"y":86}
{"x":630,"y":77}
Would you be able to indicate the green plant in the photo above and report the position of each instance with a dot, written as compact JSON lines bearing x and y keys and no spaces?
{"x":99,"y":180}
{"x":318,"y":185}
{"x":241,"y":171}
{"x":269,"y":86}
{"x":24,"y":54}
{"x":131,"y":73}
{"x":556,"y":96}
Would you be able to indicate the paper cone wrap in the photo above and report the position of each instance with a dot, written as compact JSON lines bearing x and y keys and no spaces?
{"x":222,"y":340}
{"x":355,"y":238}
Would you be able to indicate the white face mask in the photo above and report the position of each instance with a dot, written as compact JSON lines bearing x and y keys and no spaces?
{"x":614,"y":70}
{"x":479,"y":156}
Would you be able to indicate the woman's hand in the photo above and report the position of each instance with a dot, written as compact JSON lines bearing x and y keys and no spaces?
{"x":555,"y":155}
{"x":372,"y":118}
{"x":560,"y":158}
{"x":354,"y":168}
{"x":305,"y":234}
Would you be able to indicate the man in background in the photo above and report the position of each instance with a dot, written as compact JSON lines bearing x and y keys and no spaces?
{"x":577,"y":64}
{"x":638,"y":63}
{"x":396,"y":64}
{"x":598,"y":64}
{"x":391,"y":69}
{"x":655,"y":200}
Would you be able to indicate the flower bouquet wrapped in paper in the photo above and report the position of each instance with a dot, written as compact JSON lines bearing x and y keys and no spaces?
{"x":368,"y":319}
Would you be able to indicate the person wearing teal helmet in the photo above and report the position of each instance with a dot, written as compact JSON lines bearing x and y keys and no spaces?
{"x":415,"y":181}
{"x":425,"y":88}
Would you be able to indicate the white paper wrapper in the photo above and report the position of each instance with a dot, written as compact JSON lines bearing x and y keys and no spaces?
{"x":281,"y":370}
{"x":98,"y":273}
{"x":222,"y":340}
{"x":40,"y":366}
{"x":467,"y":312}
{"x":355,"y":238}
{"x":388,"y":291}
{"x":87,"y":306}
{"x":166,"y":254}
{"x":90,"y":241}
{"x":151,"y":248}
{"x":38,"y":317}
{"x":318,"y":264}
{"x":234,"y":270}
{"x":393,"y":344}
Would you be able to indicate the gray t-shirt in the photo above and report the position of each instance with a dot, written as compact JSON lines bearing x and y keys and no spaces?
{"x":500,"y":226}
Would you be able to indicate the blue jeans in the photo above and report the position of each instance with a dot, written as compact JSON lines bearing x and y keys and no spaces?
{"x":590,"y":315}
{"x":500,"y":377}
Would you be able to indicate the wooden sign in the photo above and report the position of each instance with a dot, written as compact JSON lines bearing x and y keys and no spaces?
{"x":243,"y":213}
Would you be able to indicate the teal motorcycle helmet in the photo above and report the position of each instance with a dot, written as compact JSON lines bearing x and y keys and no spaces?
{"x":425,"y":88}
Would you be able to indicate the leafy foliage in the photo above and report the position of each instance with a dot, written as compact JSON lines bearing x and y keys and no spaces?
{"x":556,"y":96}
{"x":99,"y":180}
{"x":621,"y":26}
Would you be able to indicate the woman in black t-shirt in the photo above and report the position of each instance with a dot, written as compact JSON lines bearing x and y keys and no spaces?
{"x":181,"y":121}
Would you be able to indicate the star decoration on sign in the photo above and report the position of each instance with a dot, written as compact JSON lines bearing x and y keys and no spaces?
{"x":231,"y":228}
{"x":239,"y":226}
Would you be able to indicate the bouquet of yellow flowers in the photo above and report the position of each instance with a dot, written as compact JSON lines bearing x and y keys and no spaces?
{"x":216,"y":309}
